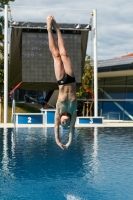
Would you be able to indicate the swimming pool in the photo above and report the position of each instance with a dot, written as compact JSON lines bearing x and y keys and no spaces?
{"x":97,"y":166}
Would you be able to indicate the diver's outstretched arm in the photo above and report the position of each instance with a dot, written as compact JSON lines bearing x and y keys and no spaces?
{"x":56,"y":131}
{"x":73,"y":119}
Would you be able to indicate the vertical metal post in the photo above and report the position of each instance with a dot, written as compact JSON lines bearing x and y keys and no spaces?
{"x":6,"y":66}
{"x":0,"y":108}
{"x":95,"y":65}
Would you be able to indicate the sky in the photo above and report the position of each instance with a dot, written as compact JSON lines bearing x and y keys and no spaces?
{"x":114,"y":21}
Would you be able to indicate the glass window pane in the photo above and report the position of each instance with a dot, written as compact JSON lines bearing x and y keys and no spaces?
{"x":115,"y":80}
{"x":100,"y":93}
{"x":130,"y":80}
{"x":113,"y":110}
{"x":101,"y":81}
{"x":128,"y":114}
{"x":129,"y":93}
{"x":100,"y":108}
{"x":114,"y":93}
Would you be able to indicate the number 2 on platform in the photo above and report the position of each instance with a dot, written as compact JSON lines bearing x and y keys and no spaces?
{"x":29,"y":119}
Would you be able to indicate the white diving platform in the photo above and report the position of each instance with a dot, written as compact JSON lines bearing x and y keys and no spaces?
{"x":46,"y":117}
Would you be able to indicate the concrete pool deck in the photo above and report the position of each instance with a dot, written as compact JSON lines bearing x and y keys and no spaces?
{"x":106,"y":123}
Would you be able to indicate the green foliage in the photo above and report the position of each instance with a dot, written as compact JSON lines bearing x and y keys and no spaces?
{"x":1,"y":64}
{"x":1,"y":78}
{"x":87,"y":80}
{"x":1,"y":26}
{"x":3,"y":3}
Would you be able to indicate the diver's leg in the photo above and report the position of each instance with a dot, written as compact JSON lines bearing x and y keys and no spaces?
{"x":62,"y":49}
{"x":58,"y":65}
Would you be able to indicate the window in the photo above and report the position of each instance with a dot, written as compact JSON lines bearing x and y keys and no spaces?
{"x":129,"y":93}
{"x":128,"y":114}
{"x":114,"y":93}
{"x":113,"y":110}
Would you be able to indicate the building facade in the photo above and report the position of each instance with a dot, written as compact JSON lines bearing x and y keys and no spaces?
{"x":115,"y":88}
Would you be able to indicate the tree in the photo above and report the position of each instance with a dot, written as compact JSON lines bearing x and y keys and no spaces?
{"x":86,"y":88}
{"x":2,"y":4}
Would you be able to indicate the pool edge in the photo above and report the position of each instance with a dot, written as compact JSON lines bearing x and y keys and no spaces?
{"x":105,"y":124}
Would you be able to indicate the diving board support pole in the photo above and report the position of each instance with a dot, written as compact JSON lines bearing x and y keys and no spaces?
{"x":95,"y":64}
{"x":6,"y":65}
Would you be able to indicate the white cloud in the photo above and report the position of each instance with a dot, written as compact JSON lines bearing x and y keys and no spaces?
{"x":114,"y":20}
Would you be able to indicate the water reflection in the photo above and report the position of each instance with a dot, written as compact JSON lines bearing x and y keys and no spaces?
{"x":95,"y":152}
{"x":97,"y":160}
{"x":90,"y":152}
{"x":5,"y":159}
{"x":34,"y":153}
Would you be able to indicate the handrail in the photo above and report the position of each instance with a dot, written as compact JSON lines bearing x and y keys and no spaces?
{"x":15,"y":88}
{"x":88,"y":91}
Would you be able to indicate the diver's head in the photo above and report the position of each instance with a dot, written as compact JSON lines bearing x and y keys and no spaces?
{"x":65,"y":119}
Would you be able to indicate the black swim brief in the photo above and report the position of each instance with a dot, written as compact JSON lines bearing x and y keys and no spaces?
{"x":66,"y":79}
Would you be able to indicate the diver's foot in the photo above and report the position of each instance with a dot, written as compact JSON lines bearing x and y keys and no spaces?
{"x":49,"y":20}
{"x":55,"y":25}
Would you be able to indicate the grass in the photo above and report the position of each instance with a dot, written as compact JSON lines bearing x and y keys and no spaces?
{"x":19,"y":108}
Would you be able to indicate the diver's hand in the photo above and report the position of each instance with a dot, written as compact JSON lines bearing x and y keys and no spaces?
{"x":61,"y":145}
{"x":67,"y":145}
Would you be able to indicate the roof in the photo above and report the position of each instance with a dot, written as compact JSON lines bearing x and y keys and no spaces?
{"x":43,"y":25}
{"x":116,"y":64}
{"x":128,"y":55}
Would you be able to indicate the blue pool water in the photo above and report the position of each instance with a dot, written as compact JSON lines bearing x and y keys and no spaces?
{"x":97,"y":166}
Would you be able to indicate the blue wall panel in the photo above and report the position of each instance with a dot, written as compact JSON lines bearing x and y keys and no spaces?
{"x":50,"y":117}
{"x":90,"y":120}
{"x":30,"y":119}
